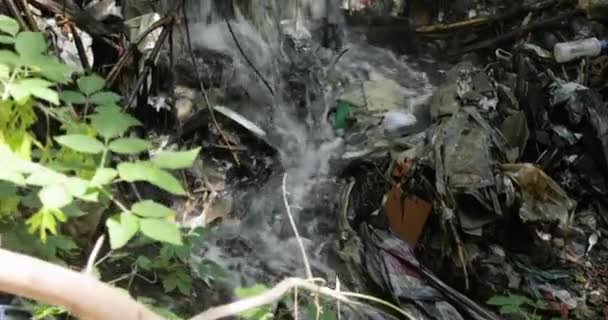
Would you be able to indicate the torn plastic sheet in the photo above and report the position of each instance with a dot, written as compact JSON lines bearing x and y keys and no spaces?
{"x":139,"y":25}
{"x":543,"y":200}
{"x":463,"y":148}
{"x":393,"y":267}
{"x":252,"y":127}
{"x":66,"y":44}
{"x":102,"y":9}
{"x":515,"y":130}
{"x":567,"y":93}
{"x":474,"y":86}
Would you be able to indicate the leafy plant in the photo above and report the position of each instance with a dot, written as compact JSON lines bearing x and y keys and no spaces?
{"x":514,"y":304}
{"x":43,"y":311}
{"x":52,"y":177}
{"x":29,"y":74}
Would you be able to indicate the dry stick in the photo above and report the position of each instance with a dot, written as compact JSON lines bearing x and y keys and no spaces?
{"x":16,"y":13}
{"x":29,"y":16}
{"x":142,"y":77}
{"x":300,"y":243}
{"x":295,"y":229}
{"x":81,"y":294}
{"x":282,"y":288}
{"x":82,"y":54}
{"x":122,"y":62}
{"x":202,"y":87}
{"x":268,"y":297}
{"x":249,"y":62}
{"x":94,"y":254}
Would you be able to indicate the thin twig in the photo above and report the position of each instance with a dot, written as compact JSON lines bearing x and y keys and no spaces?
{"x":82,"y":54}
{"x":124,"y":59}
{"x":285,"y":286}
{"x":300,"y":243}
{"x":249,"y":62}
{"x":16,"y":13}
{"x":148,"y":68}
{"x":29,"y":16}
{"x":94,"y":254}
{"x":202,"y":87}
{"x":295,"y":229}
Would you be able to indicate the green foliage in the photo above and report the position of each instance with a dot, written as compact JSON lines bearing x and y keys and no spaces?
{"x":46,"y":184}
{"x":129,"y":146}
{"x":148,"y":172}
{"x":175,"y":160}
{"x":43,"y":185}
{"x":514,"y":304}
{"x":43,"y":311}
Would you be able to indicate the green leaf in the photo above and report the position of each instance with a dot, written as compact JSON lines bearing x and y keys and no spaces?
{"x":77,"y":187}
{"x":19,"y":92}
{"x":129,"y":145}
{"x":121,"y":233}
{"x":103,"y":176}
{"x":45,"y":220}
{"x":7,"y":40}
{"x":144,"y":263}
{"x":8,"y":57}
{"x":509,"y":309}
{"x":39,"y":89}
{"x":7,"y":189}
{"x":169,"y":283}
{"x":176,"y":160}
{"x":8,"y":25}
{"x":91,"y":84}
{"x":104,"y":98}
{"x":43,"y":178}
{"x":111,"y":122}
{"x":52,"y":68}
{"x":209,"y":270}
{"x":151,"y":209}
{"x":4,"y":72}
{"x":184,"y":283}
{"x":161,"y":230}
{"x":54,"y":197}
{"x":73,"y":97}
{"x":30,"y":44}
{"x":81,"y":143}
{"x":145,"y":171}
{"x":178,"y":279}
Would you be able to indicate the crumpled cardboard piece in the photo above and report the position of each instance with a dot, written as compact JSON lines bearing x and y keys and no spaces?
{"x":407,"y":215}
{"x":543,"y":199}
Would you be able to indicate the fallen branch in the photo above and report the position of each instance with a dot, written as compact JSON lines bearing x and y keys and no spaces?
{"x":82,"y":295}
{"x":508,"y":36}
{"x":88,"y":298}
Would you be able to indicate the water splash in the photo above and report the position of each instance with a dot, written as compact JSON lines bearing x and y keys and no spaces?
{"x":305,"y":140}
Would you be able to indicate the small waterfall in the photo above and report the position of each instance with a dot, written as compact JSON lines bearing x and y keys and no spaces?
{"x":297,"y":124}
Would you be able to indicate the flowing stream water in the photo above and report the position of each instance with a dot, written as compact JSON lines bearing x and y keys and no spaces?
{"x":258,"y":244}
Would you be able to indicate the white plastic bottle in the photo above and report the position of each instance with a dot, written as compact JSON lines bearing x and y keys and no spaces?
{"x":568,"y":51}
